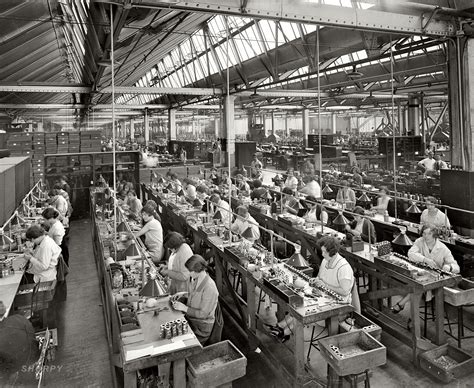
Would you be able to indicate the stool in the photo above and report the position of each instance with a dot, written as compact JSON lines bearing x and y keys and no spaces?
{"x":460,"y":324}
{"x":352,"y":379}
{"x":261,"y":298}
{"x":313,"y":341}
{"x":236,"y":278}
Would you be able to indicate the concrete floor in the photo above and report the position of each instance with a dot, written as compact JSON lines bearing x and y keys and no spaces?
{"x":83,"y":350}
{"x":399,"y":371}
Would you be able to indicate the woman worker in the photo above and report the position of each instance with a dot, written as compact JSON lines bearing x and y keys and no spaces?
{"x":433,"y":216}
{"x":362,"y":227}
{"x":202,"y":299}
{"x":56,"y":230}
{"x":335,"y":273}
{"x":153,"y":233}
{"x":176,"y":270}
{"x":42,"y":261}
{"x":430,"y":250}
{"x":382,"y":201}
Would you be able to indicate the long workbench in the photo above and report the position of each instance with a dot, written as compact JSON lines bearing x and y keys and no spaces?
{"x":142,"y":347}
{"x":243,"y":306}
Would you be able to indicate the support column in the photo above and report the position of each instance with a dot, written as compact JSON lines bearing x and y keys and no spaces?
{"x":287,"y":131}
{"x":172,"y":130}
{"x":216,"y":127}
{"x":132,"y":130}
{"x":306,"y":127}
{"x":413,"y":126}
{"x":333,"y":124}
{"x":273,"y":123}
{"x":229,"y":118}
{"x":146,"y":127}
{"x":423,"y":126}
{"x":39,"y":127}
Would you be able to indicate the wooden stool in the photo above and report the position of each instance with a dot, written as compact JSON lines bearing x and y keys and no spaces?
{"x":313,"y":341}
{"x":335,"y":381}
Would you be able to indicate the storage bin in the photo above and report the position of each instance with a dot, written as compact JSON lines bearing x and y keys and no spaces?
{"x":446,"y":362}
{"x":353,"y":352}
{"x":216,"y":365}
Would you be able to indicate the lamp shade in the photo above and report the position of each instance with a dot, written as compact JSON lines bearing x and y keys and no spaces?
{"x":340,"y":220}
{"x":402,"y":240}
{"x":181,"y":193}
{"x":122,"y":227}
{"x":198,"y":203}
{"x":154,"y":288}
{"x":217,"y":215}
{"x":413,"y":209}
{"x":297,"y":260}
{"x":364,"y":198}
{"x":170,"y":186}
{"x":161,"y":180}
{"x":327,"y":189}
{"x":267,"y":195}
{"x":132,"y":251}
{"x":250,"y":234}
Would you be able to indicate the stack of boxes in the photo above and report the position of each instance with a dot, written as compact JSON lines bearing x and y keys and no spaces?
{"x":63,"y":143}
{"x":74,"y":142}
{"x":90,"y":141}
{"x":20,"y":144}
{"x":37,"y":144}
{"x":51,"y":143}
{"x":37,"y":158}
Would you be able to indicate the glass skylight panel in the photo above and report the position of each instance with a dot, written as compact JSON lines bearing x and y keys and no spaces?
{"x":288,"y":32}
{"x":268,"y":31}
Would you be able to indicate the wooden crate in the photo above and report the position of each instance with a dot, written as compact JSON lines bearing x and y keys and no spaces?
{"x":353,"y":352}
{"x":446,"y":373}
{"x":216,"y":365}
{"x":460,"y":295}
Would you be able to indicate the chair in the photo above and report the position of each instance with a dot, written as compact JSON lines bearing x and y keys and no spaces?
{"x":216,"y":332}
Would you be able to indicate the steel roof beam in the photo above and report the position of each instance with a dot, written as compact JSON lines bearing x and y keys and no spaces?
{"x":415,"y":23}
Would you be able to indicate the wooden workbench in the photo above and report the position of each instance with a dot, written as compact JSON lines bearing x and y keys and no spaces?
{"x":246,"y":304}
{"x":156,"y":351}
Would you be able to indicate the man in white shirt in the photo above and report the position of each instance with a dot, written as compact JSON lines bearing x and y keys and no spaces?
{"x":311,"y":187}
{"x":223,"y":207}
{"x":428,"y":164}
{"x":244,"y":221}
{"x":440,"y":163}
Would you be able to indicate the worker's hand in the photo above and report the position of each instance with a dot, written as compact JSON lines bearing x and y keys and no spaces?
{"x":179,"y":306}
{"x":316,"y":282}
{"x":447,"y":268}
{"x":27,"y":255}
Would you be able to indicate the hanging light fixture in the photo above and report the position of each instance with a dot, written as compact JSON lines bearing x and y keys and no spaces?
{"x":217,"y":215}
{"x":341,"y":220}
{"x":153,"y":289}
{"x":249,"y":234}
{"x":122,"y":227}
{"x":297,"y":260}
{"x":327,"y":189}
{"x":413,"y":209}
{"x":198,"y":203}
{"x":181,"y":193}
{"x":364,"y":198}
{"x":402,"y":240}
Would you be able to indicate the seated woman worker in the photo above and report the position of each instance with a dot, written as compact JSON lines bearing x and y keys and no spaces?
{"x":202,"y":299}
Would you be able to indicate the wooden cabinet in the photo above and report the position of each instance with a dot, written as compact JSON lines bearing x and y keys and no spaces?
{"x":83,"y":169}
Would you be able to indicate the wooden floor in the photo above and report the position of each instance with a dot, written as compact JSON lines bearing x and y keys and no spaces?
{"x":83,"y":353}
